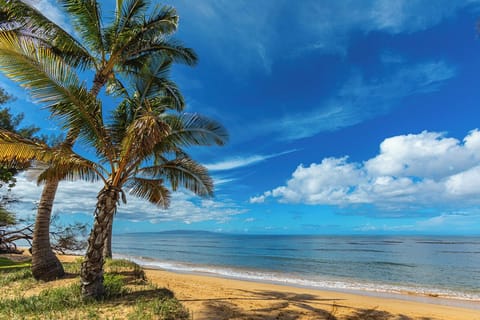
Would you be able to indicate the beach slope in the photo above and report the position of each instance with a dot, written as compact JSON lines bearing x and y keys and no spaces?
{"x":217,"y":298}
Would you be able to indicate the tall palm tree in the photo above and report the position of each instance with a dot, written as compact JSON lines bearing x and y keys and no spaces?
{"x":139,"y":148}
{"x":112,"y":51}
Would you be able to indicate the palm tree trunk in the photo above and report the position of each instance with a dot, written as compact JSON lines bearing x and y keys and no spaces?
{"x":91,"y":274}
{"x":107,"y":249}
{"x":45,"y":264}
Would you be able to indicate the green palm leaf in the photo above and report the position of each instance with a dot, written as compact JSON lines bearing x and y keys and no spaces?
{"x":53,"y":82}
{"x":29,"y":22}
{"x":151,"y":189}
{"x":136,"y":51}
{"x":69,"y":166}
{"x":195,"y":130}
{"x":183,"y":172}
{"x":86,"y":19}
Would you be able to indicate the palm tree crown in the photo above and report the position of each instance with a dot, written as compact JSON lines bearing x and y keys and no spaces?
{"x":135,"y":33}
{"x":140,"y":148}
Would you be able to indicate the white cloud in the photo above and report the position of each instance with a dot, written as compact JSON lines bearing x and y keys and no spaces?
{"x":428,"y":154}
{"x":80,"y":197}
{"x":238,"y":162}
{"x":414,"y":171}
{"x":333,"y":180}
{"x":361,"y":99}
{"x":464,"y":183}
{"x":261,"y":198}
{"x":256,"y":34}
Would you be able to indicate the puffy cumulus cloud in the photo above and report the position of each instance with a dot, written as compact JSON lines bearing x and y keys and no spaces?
{"x":334,"y":180}
{"x":80,"y":197}
{"x":428,"y":154}
{"x":411,"y":172}
{"x":261,"y":198}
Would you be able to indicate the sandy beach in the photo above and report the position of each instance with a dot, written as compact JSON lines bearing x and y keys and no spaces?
{"x":217,"y":298}
{"x":213,"y":298}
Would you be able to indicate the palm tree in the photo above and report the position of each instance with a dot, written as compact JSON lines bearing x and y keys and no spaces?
{"x":139,"y":148}
{"x":119,"y":49}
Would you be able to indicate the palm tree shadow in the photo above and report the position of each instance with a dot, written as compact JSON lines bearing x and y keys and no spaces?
{"x":374,"y":314}
{"x":292,"y":306}
{"x":282,"y":306}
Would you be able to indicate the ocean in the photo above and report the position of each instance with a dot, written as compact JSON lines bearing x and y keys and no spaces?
{"x":433,"y":266}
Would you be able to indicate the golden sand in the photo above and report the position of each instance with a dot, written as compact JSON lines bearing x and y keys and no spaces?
{"x":217,"y":298}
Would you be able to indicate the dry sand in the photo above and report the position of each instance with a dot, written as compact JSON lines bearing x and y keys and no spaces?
{"x":217,"y":298}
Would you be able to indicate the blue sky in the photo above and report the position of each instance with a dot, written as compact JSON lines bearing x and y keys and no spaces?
{"x":345,"y":117}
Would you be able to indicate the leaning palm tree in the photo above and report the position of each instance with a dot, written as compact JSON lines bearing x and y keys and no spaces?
{"x":119,"y":49}
{"x":140,"y":148}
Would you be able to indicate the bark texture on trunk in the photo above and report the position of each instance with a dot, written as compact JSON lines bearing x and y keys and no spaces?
{"x":45,"y":264}
{"x":91,"y":274}
{"x":107,"y":249}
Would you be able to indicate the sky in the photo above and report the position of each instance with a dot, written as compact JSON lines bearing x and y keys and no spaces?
{"x":345,"y":117}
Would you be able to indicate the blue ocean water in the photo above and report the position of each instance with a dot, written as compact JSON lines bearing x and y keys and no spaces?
{"x":439,"y":266}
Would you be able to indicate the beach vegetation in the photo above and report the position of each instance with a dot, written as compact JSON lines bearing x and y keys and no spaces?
{"x":125,"y":299}
{"x":110,"y":52}
{"x":166,"y":308}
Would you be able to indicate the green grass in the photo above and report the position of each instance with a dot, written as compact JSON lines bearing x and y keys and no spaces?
{"x":6,"y":263}
{"x":159,"y":308}
{"x":144,"y":301}
{"x":126,"y":267}
{"x":15,"y":272}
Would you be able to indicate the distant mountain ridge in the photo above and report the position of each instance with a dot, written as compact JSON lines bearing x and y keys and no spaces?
{"x":180,"y":231}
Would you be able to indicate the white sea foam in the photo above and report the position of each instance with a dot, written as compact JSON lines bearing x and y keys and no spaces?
{"x":296,"y":280}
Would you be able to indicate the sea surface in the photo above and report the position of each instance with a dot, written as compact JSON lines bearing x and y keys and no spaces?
{"x":433,"y":266}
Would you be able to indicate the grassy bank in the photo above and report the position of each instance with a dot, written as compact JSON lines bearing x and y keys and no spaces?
{"x":129,"y":295}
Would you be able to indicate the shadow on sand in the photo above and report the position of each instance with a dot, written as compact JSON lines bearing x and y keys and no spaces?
{"x":291,"y":306}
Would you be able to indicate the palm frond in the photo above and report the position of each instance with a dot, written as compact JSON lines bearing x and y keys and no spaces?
{"x":142,"y":135}
{"x":151,"y":189}
{"x":129,"y":12}
{"x":134,"y":27}
{"x":53,"y":82}
{"x":18,"y":151}
{"x":122,"y":117}
{"x":195,"y":130}
{"x":69,"y":166}
{"x":183,"y":172}
{"x":31,"y":23}
{"x":152,"y":83}
{"x":63,"y":163}
{"x":171,"y":48}
{"x":116,"y":88}
{"x":86,"y":18}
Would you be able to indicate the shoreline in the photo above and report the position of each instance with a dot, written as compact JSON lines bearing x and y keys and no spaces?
{"x":406,"y":296}
{"x":207,"y":295}
{"x":400,"y":291}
